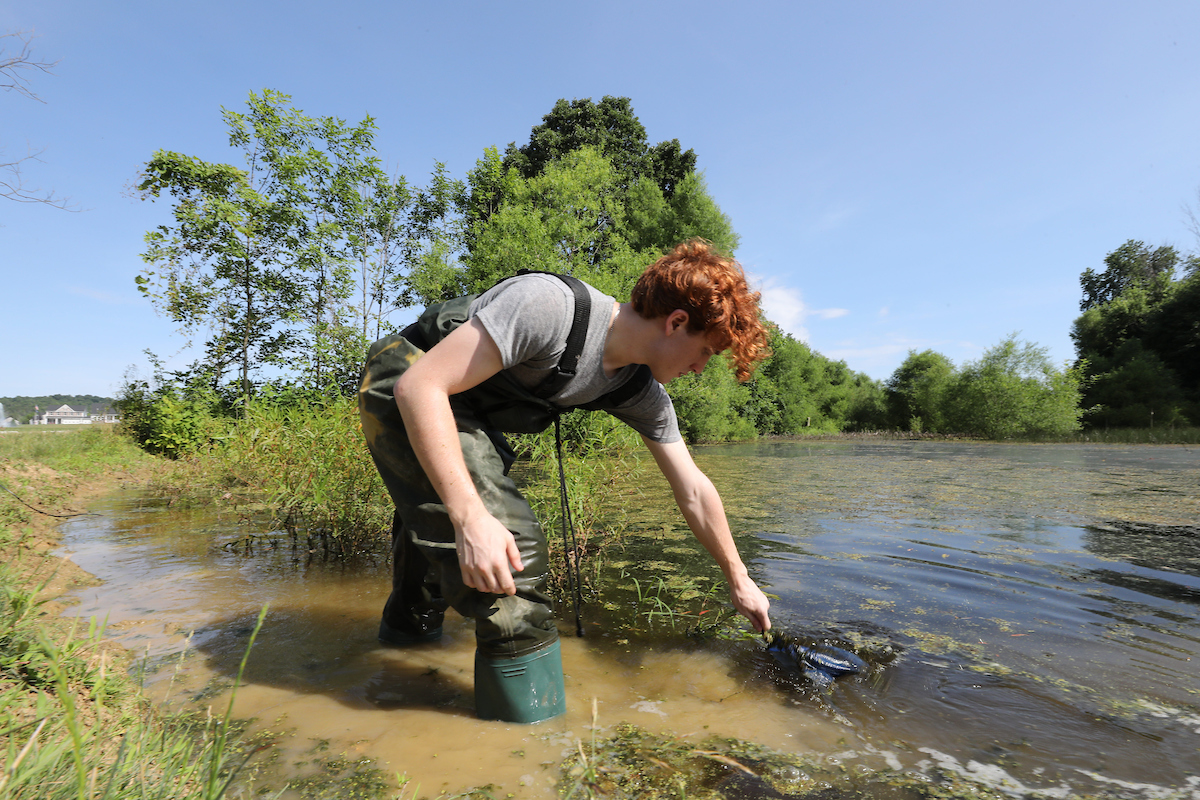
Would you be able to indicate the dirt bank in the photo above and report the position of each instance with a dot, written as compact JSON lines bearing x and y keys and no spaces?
{"x":30,"y":551}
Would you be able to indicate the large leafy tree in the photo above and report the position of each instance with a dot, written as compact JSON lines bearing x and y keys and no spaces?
{"x":611,"y":127}
{"x":1133,"y":264}
{"x":1138,"y":338}
{"x":654,"y":197}
{"x":259,"y":256}
{"x":916,"y":392}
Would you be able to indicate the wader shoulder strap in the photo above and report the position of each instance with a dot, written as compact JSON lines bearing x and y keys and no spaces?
{"x":568,"y":364}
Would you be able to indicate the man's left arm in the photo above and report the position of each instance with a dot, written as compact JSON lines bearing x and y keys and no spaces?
{"x":705,"y":514}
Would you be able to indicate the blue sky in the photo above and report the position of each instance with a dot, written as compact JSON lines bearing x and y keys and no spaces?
{"x":903,"y":175}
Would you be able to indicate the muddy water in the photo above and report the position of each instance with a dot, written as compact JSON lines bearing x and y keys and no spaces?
{"x":1030,"y":614}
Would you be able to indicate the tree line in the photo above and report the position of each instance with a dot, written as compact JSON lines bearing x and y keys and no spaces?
{"x":22,"y":408}
{"x":284,"y":267}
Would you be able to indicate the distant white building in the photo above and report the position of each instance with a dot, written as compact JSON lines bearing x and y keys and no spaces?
{"x":65,"y":415}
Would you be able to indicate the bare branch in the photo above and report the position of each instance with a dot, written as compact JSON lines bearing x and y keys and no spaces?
{"x":15,"y":72}
{"x":13,"y":186}
{"x":15,"y":69}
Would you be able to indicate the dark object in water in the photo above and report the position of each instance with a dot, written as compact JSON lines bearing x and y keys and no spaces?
{"x":820,"y":663}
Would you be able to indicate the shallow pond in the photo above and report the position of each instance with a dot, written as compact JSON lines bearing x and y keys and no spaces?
{"x":1030,"y":615}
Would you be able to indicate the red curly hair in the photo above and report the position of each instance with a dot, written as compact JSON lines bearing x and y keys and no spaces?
{"x":712,"y":289}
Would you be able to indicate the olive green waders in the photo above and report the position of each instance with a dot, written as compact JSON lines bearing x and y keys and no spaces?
{"x":518,"y":667}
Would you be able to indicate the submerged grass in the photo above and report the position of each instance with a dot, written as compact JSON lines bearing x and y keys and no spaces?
{"x":635,"y":764}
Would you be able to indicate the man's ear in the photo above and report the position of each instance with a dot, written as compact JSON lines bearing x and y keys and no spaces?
{"x":676,"y":319}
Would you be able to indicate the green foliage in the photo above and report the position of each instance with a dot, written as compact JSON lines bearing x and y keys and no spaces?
{"x":916,"y":392}
{"x":1138,"y":338}
{"x":1133,"y":389}
{"x":304,"y":457}
{"x":285,"y":262}
{"x":611,"y":128}
{"x":797,"y":390}
{"x":656,"y":221}
{"x":166,"y":420}
{"x":597,"y":451}
{"x":561,"y":220}
{"x":1014,"y":391}
{"x":713,"y":406}
{"x":1133,"y":264}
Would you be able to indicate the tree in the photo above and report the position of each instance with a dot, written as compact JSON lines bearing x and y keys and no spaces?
{"x":611,"y":127}
{"x":1131,"y":264}
{"x":258,"y":255}
{"x":1137,"y":319}
{"x":1133,"y":389}
{"x":1014,"y":391}
{"x":375,"y":232}
{"x":712,"y":406}
{"x":435,"y":240}
{"x":655,"y":222}
{"x":916,"y":392}
{"x":16,"y":69}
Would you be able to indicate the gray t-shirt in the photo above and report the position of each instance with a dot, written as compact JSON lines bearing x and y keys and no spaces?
{"x":529,"y":318}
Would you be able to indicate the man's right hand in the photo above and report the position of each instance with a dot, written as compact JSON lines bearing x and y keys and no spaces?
{"x":487,"y":554}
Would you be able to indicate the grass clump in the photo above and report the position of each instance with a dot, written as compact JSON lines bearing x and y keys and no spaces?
{"x":72,"y":725}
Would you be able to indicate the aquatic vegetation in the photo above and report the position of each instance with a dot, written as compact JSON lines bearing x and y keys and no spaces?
{"x":634,"y":763}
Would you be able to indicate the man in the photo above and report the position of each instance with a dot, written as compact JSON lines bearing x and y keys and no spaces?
{"x":508,"y":360}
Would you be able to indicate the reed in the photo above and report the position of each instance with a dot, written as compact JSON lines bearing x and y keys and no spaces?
{"x":302,"y":466}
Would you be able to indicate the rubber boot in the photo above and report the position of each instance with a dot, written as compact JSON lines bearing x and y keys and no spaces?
{"x":524,"y":689}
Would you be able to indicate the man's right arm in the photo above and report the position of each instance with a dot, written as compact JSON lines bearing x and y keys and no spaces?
{"x":462,"y":360}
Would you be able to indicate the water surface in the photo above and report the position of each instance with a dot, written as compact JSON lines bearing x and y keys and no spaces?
{"x":1029,"y":611}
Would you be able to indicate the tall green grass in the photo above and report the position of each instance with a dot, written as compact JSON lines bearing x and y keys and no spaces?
{"x":306,"y":468}
{"x":72,"y":722}
{"x":308,"y":465}
{"x":72,"y":725}
{"x":598,"y":452}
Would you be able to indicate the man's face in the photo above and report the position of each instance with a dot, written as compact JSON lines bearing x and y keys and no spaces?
{"x":683,"y":352}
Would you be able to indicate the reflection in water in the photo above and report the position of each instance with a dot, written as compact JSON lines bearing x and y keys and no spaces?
{"x":1028,"y":614}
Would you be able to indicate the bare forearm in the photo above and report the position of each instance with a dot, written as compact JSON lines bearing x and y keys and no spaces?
{"x":705,"y":515}
{"x":433,"y":434}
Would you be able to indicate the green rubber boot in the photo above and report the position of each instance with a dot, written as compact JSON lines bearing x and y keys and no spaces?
{"x":527,"y":688}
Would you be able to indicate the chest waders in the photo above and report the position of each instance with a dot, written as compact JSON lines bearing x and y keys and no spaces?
{"x":518,"y":665}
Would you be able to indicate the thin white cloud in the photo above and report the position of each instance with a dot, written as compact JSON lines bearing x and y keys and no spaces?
{"x":785,"y":306}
